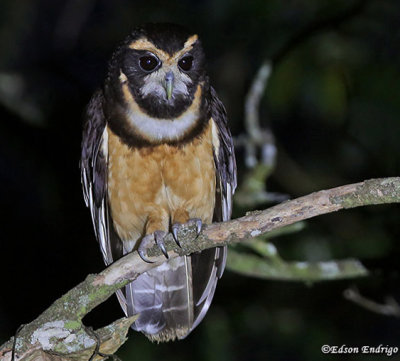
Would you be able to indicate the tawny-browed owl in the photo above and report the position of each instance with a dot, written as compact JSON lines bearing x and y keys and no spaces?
{"x":157,"y":153}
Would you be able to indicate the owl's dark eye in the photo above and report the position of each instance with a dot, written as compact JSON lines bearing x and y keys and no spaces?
{"x":186,"y":63}
{"x":148,"y":62}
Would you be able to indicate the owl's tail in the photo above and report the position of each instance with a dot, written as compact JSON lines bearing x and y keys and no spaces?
{"x":174,"y":297}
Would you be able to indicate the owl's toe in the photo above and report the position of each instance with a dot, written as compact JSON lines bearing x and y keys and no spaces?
{"x":148,"y":241}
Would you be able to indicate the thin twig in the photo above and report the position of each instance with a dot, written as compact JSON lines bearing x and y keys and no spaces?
{"x":13,"y":354}
{"x":251,"y":119}
{"x":257,"y":136}
{"x":389,"y":308}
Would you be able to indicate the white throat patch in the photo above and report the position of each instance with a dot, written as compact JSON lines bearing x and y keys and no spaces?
{"x":162,"y":129}
{"x":156,"y":129}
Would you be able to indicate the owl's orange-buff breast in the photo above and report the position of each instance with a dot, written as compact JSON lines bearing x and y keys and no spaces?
{"x":151,"y":188}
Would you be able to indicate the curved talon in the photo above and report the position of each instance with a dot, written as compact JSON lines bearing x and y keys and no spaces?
{"x":143,"y":257}
{"x":146,"y":242}
{"x":175,"y":229}
{"x":198,"y":223}
{"x":159,"y":238}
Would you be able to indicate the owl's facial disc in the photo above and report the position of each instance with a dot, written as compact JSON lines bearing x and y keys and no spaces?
{"x":162,"y":76}
{"x":166,"y":83}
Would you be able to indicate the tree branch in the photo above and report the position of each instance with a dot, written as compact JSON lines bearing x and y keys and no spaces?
{"x":59,"y":330}
{"x":265,"y":262}
{"x":389,"y":308}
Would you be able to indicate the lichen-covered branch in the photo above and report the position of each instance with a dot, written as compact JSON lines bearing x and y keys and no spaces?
{"x":58,"y":333}
{"x":374,"y":191}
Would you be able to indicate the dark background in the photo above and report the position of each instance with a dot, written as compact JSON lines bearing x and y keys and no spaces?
{"x":333,"y":104}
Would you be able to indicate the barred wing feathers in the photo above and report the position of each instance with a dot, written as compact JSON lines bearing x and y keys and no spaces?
{"x":94,"y":171}
{"x":208,"y":266}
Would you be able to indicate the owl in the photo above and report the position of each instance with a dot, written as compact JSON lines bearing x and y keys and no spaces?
{"x":157,"y":153}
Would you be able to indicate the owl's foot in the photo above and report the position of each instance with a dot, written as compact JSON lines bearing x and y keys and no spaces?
{"x":177,"y":226}
{"x":175,"y":229}
{"x":148,"y":241}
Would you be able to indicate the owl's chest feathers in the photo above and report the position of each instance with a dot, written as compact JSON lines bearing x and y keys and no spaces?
{"x":161,"y":181}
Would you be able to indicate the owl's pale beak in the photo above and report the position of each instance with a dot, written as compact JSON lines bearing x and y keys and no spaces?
{"x":169,"y":84}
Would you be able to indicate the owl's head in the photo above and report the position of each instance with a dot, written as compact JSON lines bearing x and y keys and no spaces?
{"x":161,"y":68}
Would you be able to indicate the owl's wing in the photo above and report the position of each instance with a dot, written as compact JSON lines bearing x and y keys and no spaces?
{"x":94,"y":158}
{"x":208,"y":266}
{"x":224,"y":158}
